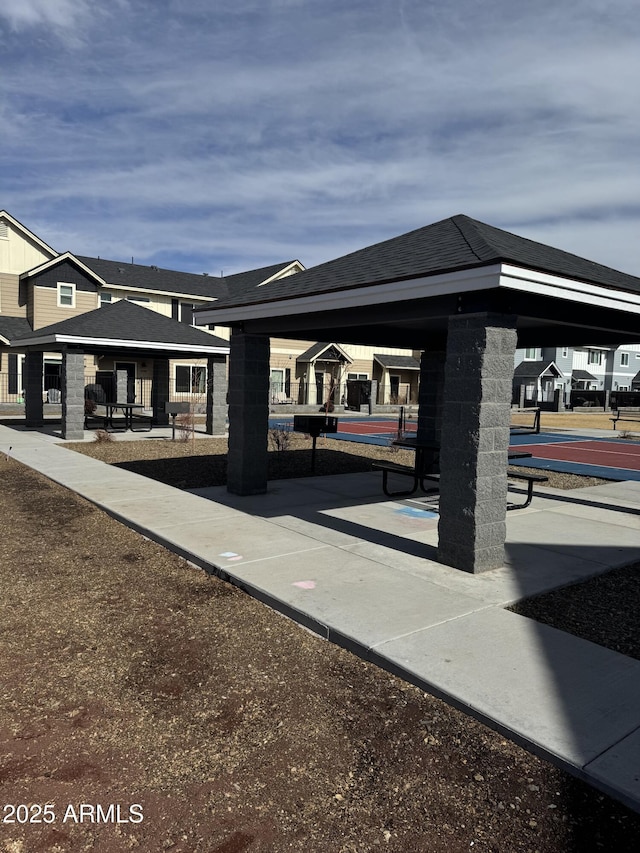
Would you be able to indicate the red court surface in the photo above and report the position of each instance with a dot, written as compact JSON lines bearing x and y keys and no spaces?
{"x":386,"y":427}
{"x":608,"y":454}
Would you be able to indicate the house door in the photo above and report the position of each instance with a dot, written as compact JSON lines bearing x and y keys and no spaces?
{"x":130,"y":367}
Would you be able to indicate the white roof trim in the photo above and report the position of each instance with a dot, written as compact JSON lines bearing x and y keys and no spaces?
{"x":544,"y":284}
{"x":281,"y":273}
{"x":482,"y":278}
{"x":318,"y":357}
{"x":20,"y":227}
{"x":67,"y":256}
{"x":120,"y":343}
{"x":179,"y":294}
{"x":479,"y":278}
{"x":5,"y":341}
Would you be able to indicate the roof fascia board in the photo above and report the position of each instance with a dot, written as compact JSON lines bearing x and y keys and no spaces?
{"x":182,"y":294}
{"x":282,"y":273}
{"x":318,"y":356}
{"x":5,"y":341}
{"x":20,"y":227}
{"x":444,"y":284}
{"x":544,"y":284}
{"x":67,"y":256}
{"x":78,"y":340}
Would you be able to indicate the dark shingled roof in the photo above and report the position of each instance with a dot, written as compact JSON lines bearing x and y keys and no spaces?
{"x":528,"y":369}
{"x":400,"y":362}
{"x":128,"y":321}
{"x":451,"y":245}
{"x":119,"y":273}
{"x":582,"y":375}
{"x":315,"y":350}
{"x":13,"y":327}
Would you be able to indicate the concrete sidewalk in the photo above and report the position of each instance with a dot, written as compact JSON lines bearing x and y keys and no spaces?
{"x":334,"y":554}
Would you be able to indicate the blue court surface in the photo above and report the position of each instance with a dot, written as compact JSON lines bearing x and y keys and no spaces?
{"x":608,"y":458}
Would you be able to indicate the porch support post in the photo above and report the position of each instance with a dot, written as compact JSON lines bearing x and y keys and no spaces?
{"x":32,"y":381}
{"x":216,"y":395}
{"x":475,"y":441}
{"x":248,"y":414}
{"x":160,"y":391}
{"x":73,"y":394}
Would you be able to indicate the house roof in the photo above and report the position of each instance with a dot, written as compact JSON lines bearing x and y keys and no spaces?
{"x":450,"y":245}
{"x":153,"y":278}
{"x":528,"y":369}
{"x":13,"y":327}
{"x":323,"y":351}
{"x":399,"y":362}
{"x":125,"y":325}
{"x":581,"y":375}
{"x":60,"y":259}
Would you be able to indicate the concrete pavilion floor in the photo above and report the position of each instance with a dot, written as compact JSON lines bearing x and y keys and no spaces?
{"x":359,"y":569}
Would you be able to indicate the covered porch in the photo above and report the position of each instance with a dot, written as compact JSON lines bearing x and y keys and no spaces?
{"x":467,"y":295}
{"x":118,"y":339}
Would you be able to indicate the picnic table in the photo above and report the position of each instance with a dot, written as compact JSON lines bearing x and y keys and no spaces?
{"x":427,"y":462}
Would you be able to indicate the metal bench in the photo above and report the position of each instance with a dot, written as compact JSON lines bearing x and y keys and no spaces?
{"x":416,"y":475}
{"x":530,"y":479}
{"x":626,"y":413}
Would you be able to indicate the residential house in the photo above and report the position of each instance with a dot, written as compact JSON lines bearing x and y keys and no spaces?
{"x":40,"y":287}
{"x":541,"y":372}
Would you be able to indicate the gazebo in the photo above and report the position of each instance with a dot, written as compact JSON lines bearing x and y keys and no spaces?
{"x":466,"y":294}
{"x":121,"y":330}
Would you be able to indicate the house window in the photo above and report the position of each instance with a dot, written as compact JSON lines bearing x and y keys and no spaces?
{"x":623,"y":387}
{"x":105,"y":299}
{"x":624,"y":359}
{"x":66,"y":295}
{"x":565,"y":352}
{"x":594,"y":357}
{"x":138,"y":299}
{"x":190,"y":379}
{"x":361,"y":376}
{"x":532,"y":354}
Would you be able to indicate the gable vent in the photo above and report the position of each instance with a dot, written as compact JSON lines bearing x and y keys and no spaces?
{"x":4,"y":228}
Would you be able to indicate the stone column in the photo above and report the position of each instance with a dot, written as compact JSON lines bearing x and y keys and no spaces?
{"x":32,"y":382}
{"x":475,"y":441}
{"x":160,"y":391}
{"x":73,"y":394}
{"x":216,"y":395}
{"x":248,"y":414}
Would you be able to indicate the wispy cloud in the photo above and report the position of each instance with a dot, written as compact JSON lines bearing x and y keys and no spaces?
{"x":241,"y":133}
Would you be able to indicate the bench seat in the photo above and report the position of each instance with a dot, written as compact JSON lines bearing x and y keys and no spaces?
{"x":148,"y":419}
{"x":626,"y":414}
{"x":530,"y":479}
{"x":418,"y":477}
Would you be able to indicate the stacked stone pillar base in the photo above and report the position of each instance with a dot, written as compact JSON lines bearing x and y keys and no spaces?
{"x":475,"y":441}
{"x":72,"y":394}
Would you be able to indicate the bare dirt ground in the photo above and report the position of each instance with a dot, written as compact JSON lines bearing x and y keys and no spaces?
{"x":129,"y":677}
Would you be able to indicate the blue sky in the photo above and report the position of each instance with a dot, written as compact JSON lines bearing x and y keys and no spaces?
{"x":210,"y":135}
